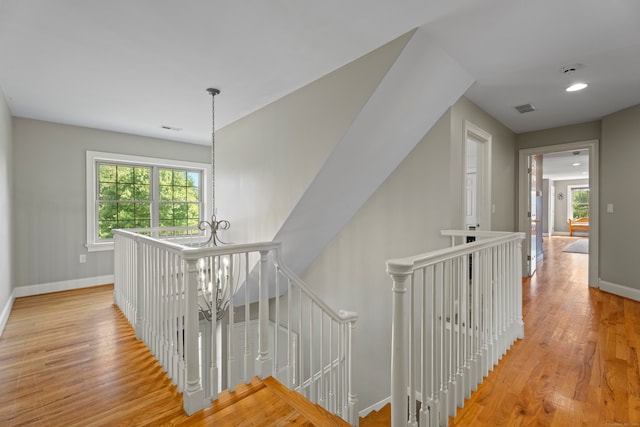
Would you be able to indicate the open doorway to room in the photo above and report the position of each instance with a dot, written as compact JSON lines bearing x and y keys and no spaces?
{"x":568,"y":196}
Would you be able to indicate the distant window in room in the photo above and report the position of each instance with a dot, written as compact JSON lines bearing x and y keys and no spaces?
{"x":138,"y":192}
{"x":579,"y":202}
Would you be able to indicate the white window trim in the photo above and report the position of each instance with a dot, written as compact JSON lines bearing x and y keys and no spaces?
{"x":93,"y":157}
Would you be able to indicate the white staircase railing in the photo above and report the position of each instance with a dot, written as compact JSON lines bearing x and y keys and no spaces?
{"x":463,"y":312}
{"x":166,"y":285}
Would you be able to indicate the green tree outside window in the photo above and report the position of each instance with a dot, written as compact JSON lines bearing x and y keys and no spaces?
{"x":125,"y":200}
{"x":580,"y":203}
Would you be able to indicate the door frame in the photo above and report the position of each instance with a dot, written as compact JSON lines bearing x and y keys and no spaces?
{"x":484,"y":157}
{"x":594,"y":202}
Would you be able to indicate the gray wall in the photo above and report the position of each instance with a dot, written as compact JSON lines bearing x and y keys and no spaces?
{"x":619,"y":156}
{"x":546,"y":200}
{"x":404,"y":217}
{"x":50,"y":199}
{"x":582,"y":132}
{"x":503,"y":162}
{"x":268,"y":159}
{"x":6,"y":198}
{"x":619,"y":153}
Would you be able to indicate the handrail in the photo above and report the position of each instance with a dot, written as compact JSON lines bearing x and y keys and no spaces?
{"x":458,"y":310}
{"x":408,"y":264}
{"x":164,"y":278}
{"x":342,"y":316}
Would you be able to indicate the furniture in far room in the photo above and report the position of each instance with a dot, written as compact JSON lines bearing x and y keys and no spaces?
{"x":581,"y":224}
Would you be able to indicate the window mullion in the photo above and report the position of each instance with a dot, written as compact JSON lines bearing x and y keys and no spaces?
{"x":155,"y":196}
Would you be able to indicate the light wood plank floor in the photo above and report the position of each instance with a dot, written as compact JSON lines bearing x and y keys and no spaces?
{"x":578,"y":363}
{"x":71,"y":359}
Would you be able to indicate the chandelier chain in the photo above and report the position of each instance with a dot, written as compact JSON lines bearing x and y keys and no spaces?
{"x":214,"y":225}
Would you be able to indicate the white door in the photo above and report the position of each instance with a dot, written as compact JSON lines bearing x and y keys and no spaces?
{"x":535,"y":212}
{"x":477,"y":178}
{"x":471,"y":190}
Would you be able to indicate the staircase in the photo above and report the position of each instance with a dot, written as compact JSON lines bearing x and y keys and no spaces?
{"x":268,"y":402}
{"x":216,"y":317}
{"x":381,"y":418}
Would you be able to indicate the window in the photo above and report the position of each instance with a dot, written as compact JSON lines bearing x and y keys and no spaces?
{"x":124,"y":198}
{"x":578,"y":202}
{"x":140,"y":192}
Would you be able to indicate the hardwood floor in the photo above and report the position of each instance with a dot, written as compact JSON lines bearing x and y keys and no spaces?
{"x":578,"y":363}
{"x":71,"y":358}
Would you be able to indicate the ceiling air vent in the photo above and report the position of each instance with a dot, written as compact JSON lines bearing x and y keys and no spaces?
{"x":165,"y":127}
{"x":525,"y":108}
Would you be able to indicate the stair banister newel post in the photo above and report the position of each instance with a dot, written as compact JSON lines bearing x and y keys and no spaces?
{"x":352,"y":416}
{"x":193,"y":392}
{"x":400,"y":274}
{"x":263,"y":361}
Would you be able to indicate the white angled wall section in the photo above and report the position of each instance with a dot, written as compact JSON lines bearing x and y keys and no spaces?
{"x":419,"y":87}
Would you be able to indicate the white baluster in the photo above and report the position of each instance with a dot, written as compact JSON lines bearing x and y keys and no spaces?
{"x":276,"y":338}
{"x":331,"y":403}
{"x":223,"y":276}
{"x":264,"y":363}
{"x":290,"y":351}
{"x":140,"y":297}
{"x":312,"y":390}
{"x":321,"y":398}
{"x":300,"y":354}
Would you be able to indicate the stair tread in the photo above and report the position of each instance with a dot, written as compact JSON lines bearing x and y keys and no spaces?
{"x":262,"y":401}
{"x":315,"y":413}
{"x":380,"y":418}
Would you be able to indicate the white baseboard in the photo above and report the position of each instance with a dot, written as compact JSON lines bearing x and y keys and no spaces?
{"x":65,"y":285}
{"x":6,"y":311}
{"x":374,"y":407}
{"x":620,"y":290}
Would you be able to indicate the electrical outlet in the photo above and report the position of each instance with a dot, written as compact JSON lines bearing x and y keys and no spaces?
{"x":83,"y":259}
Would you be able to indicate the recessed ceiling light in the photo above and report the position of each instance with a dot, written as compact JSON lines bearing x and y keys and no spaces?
{"x":576,"y":87}
{"x":576,"y":164}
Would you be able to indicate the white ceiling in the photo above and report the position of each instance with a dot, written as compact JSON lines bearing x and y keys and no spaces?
{"x":566,"y":165}
{"x":134,"y":66}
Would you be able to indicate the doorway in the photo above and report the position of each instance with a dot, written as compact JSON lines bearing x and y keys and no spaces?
{"x":524,"y":220}
{"x":476,"y":204}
